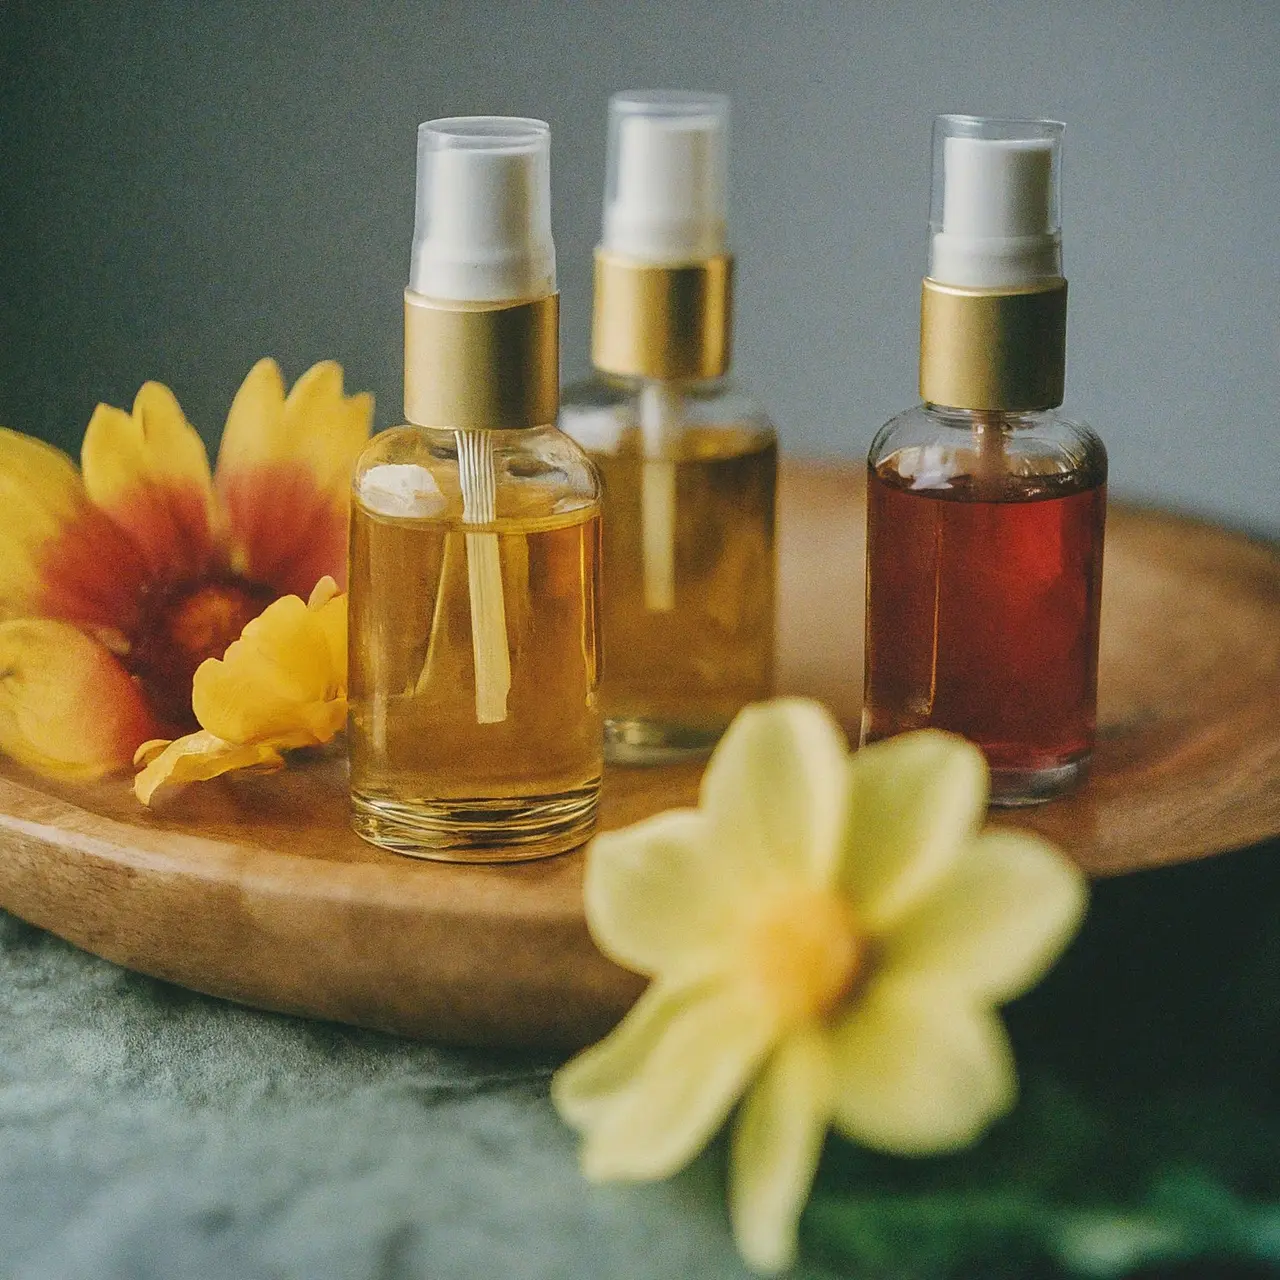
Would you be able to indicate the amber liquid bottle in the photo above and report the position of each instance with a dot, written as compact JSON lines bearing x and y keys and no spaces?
{"x":985,"y":506}
{"x":474,"y":732}
{"x":434,"y":771}
{"x":688,"y":462}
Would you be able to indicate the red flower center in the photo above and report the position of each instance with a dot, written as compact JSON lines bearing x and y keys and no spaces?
{"x":180,"y":627}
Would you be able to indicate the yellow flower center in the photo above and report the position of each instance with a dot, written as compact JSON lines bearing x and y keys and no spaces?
{"x":806,"y":954}
{"x":183,"y":626}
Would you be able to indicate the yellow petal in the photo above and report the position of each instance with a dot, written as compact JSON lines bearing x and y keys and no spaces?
{"x":993,"y":926}
{"x":586,"y":1087}
{"x":914,"y":803}
{"x":316,"y":423}
{"x":149,"y":472}
{"x":777,"y":1139}
{"x":40,"y":493}
{"x":67,"y":707}
{"x":919,"y":1071}
{"x":327,"y":426}
{"x":254,"y":427}
{"x":148,"y":751}
{"x":60,"y":557}
{"x":284,"y":473}
{"x":331,"y":617}
{"x":322,"y":593}
{"x":775,"y":792}
{"x":650,"y":1095}
{"x":656,"y":896}
{"x":197,"y":758}
{"x":278,"y":681}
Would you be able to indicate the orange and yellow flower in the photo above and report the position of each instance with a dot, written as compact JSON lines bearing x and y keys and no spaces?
{"x":117,"y":581}
{"x":281,"y":686}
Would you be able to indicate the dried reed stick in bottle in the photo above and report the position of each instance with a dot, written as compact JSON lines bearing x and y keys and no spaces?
{"x":660,"y":427}
{"x":484,"y":577}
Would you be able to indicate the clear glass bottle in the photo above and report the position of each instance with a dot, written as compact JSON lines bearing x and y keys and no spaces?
{"x":986,"y":507}
{"x":688,"y":462}
{"x":474,"y":732}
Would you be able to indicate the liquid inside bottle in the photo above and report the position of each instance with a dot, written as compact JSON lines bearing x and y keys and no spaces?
{"x":983,"y":595}
{"x":688,"y":577}
{"x":434,"y":772}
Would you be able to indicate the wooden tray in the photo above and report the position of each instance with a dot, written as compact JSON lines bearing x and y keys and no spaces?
{"x":255,"y":889}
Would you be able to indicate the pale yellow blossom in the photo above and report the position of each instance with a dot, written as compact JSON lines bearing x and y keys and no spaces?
{"x":828,"y":936}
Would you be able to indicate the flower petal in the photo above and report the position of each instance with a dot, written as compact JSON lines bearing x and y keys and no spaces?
{"x":777,"y":1139}
{"x":277,"y":682}
{"x":586,"y":1087}
{"x":918,"y":1071}
{"x":651,"y":1094}
{"x":993,"y":926}
{"x":284,"y":474}
{"x":657,"y":899}
{"x":67,"y":707}
{"x":774,"y":792}
{"x":149,"y":472}
{"x":915,"y":800}
{"x":330,"y":612}
{"x":41,"y":492}
{"x":59,"y":556}
{"x":322,"y":593}
{"x":327,"y":426}
{"x":197,"y":758}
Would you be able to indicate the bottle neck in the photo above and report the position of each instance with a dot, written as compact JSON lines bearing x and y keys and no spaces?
{"x":668,"y":323}
{"x":964,"y":419}
{"x":481,"y":366}
{"x":993,"y":349}
{"x":697,"y":388}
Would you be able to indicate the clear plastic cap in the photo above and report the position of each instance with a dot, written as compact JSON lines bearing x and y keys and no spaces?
{"x":483,"y":226}
{"x":996,"y":218}
{"x":665,"y":187}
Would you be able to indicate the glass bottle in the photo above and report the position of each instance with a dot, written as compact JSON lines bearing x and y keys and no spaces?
{"x":474,"y":608}
{"x":688,"y":462}
{"x":986,"y":506}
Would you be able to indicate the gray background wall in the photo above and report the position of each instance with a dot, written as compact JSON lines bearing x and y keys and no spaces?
{"x":185,"y":187}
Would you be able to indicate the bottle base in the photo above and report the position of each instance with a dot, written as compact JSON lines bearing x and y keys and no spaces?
{"x":508,"y":829}
{"x":1013,"y":788}
{"x":1021,"y":788}
{"x":637,"y":741}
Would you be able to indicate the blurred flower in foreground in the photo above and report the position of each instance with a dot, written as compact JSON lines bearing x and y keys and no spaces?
{"x":827,"y":936}
{"x":282,"y":685}
{"x":118,"y":581}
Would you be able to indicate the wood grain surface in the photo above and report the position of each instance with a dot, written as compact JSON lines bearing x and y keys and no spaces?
{"x":255,"y":889}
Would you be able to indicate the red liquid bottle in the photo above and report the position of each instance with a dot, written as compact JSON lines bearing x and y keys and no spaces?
{"x":985,"y":506}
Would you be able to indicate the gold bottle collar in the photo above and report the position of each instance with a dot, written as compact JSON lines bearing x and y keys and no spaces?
{"x":481,"y":365}
{"x":669,"y":322}
{"x":993,"y":348}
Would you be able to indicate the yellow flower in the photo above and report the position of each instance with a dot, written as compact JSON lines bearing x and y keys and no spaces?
{"x":118,"y":580}
{"x":282,"y":685}
{"x":827,"y":936}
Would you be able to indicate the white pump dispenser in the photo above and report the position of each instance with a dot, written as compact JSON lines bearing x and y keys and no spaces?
{"x":665,"y":187}
{"x":483,"y":226}
{"x":996,"y":221}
